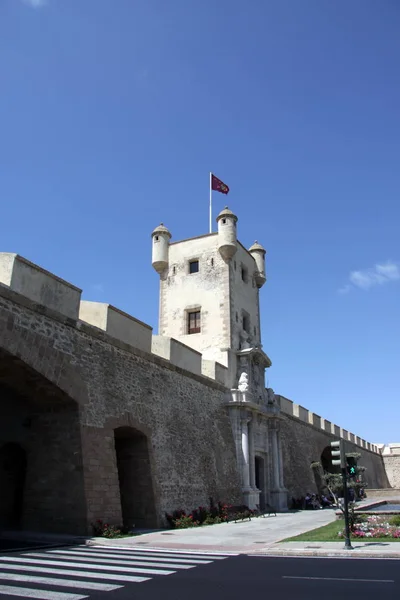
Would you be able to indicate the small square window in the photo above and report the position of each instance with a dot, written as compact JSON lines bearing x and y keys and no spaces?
{"x":244,"y":274}
{"x":193,"y":266}
{"x":156,"y":238}
{"x":194,"y":322}
{"x":223,"y":221}
{"x":246,"y":323}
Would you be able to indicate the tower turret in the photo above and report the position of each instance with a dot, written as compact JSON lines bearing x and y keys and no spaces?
{"x":227,"y":238}
{"x":161,"y":237}
{"x":258,"y":253}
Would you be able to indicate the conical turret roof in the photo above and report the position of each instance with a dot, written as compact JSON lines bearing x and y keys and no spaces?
{"x":161,"y":229}
{"x":257,"y":247}
{"x":226,"y":212}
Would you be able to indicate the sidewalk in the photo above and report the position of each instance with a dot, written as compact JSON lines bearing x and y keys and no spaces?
{"x":258,"y":537}
{"x":244,"y":536}
{"x":333,"y":549}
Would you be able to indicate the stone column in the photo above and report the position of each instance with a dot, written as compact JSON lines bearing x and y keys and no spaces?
{"x":245,"y":453}
{"x":275,"y":458}
{"x":281,"y":480}
{"x":278,"y":492}
{"x":251,"y":455}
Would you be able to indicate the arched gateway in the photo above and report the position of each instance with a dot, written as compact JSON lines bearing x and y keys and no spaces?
{"x":41,"y":475}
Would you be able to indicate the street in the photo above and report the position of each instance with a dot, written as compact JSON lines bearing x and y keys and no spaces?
{"x":74,"y":573}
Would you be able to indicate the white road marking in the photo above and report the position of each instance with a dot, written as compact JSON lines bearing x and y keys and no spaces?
{"x":143,"y":555}
{"x":340,"y":579}
{"x":84,"y":585}
{"x":123,"y":557}
{"x":42,"y":594}
{"x":86,"y":574}
{"x":60,"y":563}
{"x":107,"y":561}
{"x":215,"y":555}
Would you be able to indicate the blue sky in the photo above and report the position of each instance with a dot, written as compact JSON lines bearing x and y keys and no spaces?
{"x":113,"y":112}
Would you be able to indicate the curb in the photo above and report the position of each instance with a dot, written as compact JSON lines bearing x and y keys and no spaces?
{"x":271,"y":552}
{"x":327,"y":554}
{"x":174,"y":549}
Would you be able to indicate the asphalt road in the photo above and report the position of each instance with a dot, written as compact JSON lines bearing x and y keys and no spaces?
{"x":74,"y":573}
{"x":6,"y":544}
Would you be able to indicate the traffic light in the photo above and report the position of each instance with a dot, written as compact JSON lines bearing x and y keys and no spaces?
{"x":338,"y":450}
{"x":352,"y":470}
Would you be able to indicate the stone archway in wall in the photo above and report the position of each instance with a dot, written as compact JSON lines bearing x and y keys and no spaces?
{"x":261,"y":479}
{"x":135,"y":478}
{"x":41,"y":474}
{"x":318,"y":476}
{"x":12,"y":483}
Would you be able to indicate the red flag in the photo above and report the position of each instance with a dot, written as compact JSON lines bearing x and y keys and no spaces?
{"x":218,"y":185}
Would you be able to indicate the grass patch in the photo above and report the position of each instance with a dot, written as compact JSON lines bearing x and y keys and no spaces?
{"x":329,"y":533}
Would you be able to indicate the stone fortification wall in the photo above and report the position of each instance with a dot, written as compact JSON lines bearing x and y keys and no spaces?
{"x":118,"y":383}
{"x":391,"y":459}
{"x":82,"y":371}
{"x":304,"y":437}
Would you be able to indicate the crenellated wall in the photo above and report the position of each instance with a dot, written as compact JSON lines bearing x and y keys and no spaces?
{"x":116,"y":375}
{"x":303,"y":414}
{"x":95,"y":358}
{"x":305,"y":435}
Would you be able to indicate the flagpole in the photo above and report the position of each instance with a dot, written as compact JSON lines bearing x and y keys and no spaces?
{"x":210,"y":202}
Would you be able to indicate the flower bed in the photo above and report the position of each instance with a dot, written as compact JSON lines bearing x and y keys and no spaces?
{"x":375,"y":527}
{"x":220,"y":513}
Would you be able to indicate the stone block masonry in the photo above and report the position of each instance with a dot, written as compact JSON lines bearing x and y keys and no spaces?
{"x":303,"y":443}
{"x":95,"y":425}
{"x":391,"y":458}
{"x":113,"y":386}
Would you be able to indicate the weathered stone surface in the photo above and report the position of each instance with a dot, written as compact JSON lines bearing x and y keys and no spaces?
{"x":302,"y":444}
{"x":107,"y":430}
{"x":190,"y":444}
{"x":391,"y":459}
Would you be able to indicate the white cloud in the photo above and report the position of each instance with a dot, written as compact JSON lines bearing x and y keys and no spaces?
{"x":35,"y":3}
{"x":368,"y":278}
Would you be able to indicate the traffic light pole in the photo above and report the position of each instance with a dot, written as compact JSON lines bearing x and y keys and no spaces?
{"x":347,"y":543}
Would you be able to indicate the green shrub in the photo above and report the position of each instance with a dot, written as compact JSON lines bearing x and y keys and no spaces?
{"x":209,"y":520}
{"x":185,"y":521}
{"x":361,"y":518}
{"x":395,"y":520}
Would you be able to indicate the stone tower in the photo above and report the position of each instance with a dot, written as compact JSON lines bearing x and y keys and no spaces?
{"x":209,"y":300}
{"x":209,"y":290}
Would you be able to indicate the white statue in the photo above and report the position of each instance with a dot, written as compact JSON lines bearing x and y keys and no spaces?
{"x":243,"y":384}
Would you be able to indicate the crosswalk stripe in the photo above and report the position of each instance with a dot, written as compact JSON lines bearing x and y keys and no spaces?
{"x":74,"y":583}
{"x":79,"y":565}
{"x":189,"y":553}
{"x":42,"y":594}
{"x":125,"y":557}
{"x":86,"y":574}
{"x":107,"y":561}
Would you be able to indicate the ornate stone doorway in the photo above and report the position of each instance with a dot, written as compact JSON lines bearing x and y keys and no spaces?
{"x":260,"y":479}
{"x":135,"y":480}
